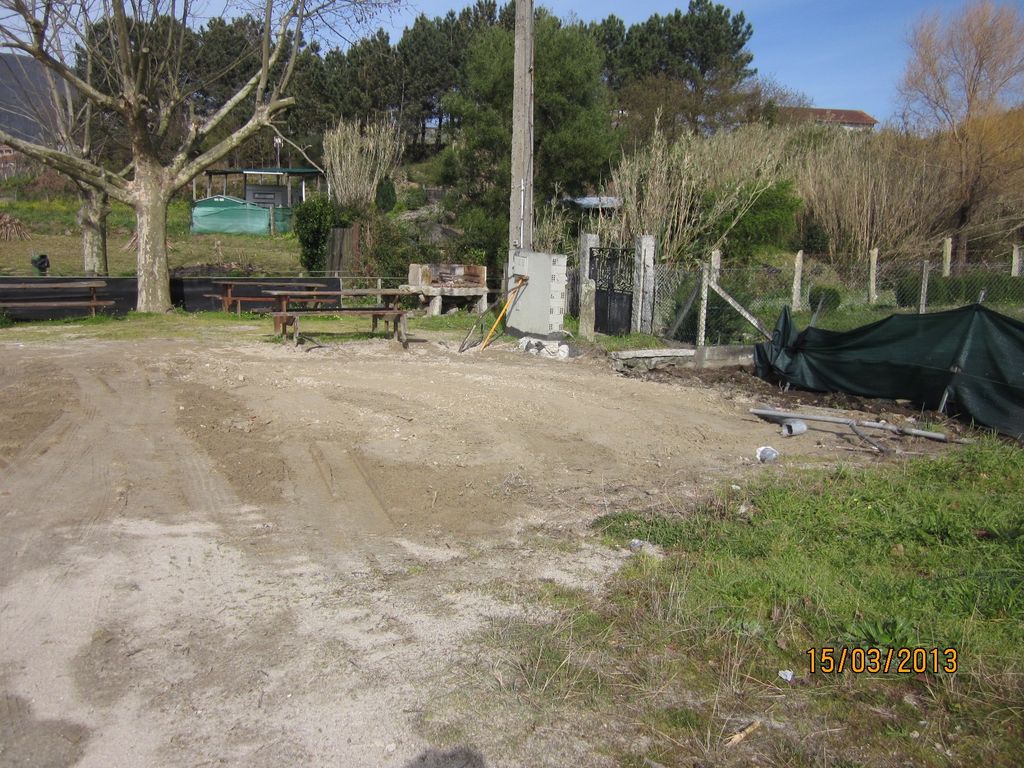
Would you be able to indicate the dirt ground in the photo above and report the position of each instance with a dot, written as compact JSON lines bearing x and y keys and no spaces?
{"x":249,"y":554}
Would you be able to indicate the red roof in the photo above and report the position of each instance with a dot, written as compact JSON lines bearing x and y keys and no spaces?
{"x":833,"y":116}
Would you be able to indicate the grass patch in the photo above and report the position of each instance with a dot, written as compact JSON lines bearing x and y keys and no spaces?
{"x":926,"y":553}
{"x":143,"y":325}
{"x":55,"y":232}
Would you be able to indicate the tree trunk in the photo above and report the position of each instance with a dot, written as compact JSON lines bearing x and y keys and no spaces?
{"x":154,"y":293}
{"x":92,"y":218}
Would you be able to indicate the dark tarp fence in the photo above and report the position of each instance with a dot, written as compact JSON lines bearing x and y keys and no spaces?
{"x":972,"y":356}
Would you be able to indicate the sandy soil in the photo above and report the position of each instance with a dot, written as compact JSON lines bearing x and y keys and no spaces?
{"x":251,"y":554}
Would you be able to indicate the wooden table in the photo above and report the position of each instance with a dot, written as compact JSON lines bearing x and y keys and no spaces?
{"x":47,"y":285}
{"x":228,"y":297}
{"x":387,"y":296}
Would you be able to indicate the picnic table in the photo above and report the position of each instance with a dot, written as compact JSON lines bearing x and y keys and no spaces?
{"x":388,"y":297}
{"x":49,"y":302}
{"x":228,"y":297}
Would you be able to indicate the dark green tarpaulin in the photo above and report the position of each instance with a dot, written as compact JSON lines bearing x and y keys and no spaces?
{"x":972,"y":354}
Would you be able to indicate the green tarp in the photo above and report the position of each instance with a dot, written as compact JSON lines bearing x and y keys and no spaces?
{"x":229,"y":215}
{"x":972,"y":356}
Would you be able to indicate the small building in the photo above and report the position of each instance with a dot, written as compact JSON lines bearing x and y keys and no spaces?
{"x":850,"y":119}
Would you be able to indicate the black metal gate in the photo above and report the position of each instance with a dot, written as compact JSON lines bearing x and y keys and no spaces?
{"x":611,"y":269}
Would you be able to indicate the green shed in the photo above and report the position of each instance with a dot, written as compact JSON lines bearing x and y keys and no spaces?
{"x":230,"y":215}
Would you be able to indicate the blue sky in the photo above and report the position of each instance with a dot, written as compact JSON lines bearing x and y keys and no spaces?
{"x":843,"y":54}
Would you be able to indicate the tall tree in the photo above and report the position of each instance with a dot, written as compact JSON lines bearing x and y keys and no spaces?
{"x":704,"y":50}
{"x":573,"y":138}
{"x":364,"y":81}
{"x":142,"y":60}
{"x":963,"y":75}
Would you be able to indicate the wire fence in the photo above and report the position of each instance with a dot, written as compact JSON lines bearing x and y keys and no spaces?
{"x":830,"y":297}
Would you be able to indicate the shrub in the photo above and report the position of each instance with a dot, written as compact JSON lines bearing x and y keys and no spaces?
{"x":385,"y":197}
{"x":414,"y":197}
{"x":313,"y":222}
{"x":908,"y":290}
{"x":771,"y":221}
{"x":724,"y":324}
{"x":828,"y":296}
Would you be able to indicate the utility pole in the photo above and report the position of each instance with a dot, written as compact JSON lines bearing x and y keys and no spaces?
{"x":520,"y":225}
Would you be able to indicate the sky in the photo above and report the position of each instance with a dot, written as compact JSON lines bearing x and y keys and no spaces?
{"x":844,"y":54}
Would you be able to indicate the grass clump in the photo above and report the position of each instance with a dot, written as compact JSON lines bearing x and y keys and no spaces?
{"x":927,"y":553}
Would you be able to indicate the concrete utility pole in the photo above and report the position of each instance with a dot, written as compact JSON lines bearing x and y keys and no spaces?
{"x":520,"y":225}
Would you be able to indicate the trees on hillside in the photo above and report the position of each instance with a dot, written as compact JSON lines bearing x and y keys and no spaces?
{"x":964,"y":77}
{"x":573,"y":139}
{"x":692,"y":67}
{"x":138,"y":83}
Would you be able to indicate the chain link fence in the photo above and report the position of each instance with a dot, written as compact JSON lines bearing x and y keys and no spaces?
{"x":833,"y":297}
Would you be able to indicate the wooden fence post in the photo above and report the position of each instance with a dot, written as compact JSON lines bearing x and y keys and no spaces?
{"x":1015,"y":262}
{"x":923,"y":303}
{"x":798,"y":274}
{"x":873,"y":276}
{"x":702,"y":311}
{"x":947,"y":256}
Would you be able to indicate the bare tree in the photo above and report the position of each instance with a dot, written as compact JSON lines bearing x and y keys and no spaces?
{"x":962,"y":75}
{"x":872,"y":190}
{"x":43,"y":109}
{"x":138,"y":57}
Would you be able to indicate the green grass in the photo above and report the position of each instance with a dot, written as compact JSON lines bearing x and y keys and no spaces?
{"x":141,"y":325}
{"x":927,"y":553}
{"x":249,"y":326}
{"x":54,"y":231}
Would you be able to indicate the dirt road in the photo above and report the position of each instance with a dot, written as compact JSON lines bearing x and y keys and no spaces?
{"x":249,"y":554}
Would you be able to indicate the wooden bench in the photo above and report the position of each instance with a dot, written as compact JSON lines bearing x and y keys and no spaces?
{"x":286,"y":320}
{"x":92,"y":303}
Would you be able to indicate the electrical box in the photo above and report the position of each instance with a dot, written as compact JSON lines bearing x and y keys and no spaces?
{"x":539,"y":309}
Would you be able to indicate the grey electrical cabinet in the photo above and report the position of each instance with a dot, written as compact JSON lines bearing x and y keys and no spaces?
{"x":540,"y":308}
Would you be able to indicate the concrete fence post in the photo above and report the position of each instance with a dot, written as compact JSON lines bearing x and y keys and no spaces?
{"x":947,"y":256}
{"x":922,"y":305}
{"x":588,"y":242}
{"x":873,"y":276}
{"x":635,"y":317}
{"x":1015,"y":262}
{"x":798,"y":275}
{"x":702,"y":311}
{"x":716,"y":266}
{"x":647,"y":284}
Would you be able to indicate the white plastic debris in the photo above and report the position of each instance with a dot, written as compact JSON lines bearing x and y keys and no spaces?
{"x":766,"y":454}
{"x":786,"y":674}
{"x":558,"y":350}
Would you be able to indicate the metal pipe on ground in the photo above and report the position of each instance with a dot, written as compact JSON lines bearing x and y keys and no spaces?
{"x":783,"y":416}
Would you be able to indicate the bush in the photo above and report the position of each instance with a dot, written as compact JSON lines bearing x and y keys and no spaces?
{"x":828,"y":296}
{"x":724,"y":324}
{"x":313,"y":222}
{"x":385,"y":197}
{"x":414,"y":198}
{"x":908,"y":290}
{"x":771,"y":221}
